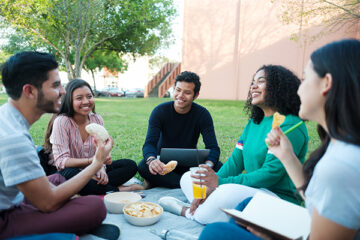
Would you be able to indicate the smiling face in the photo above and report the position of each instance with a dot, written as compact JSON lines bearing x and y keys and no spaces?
{"x":258,"y":89}
{"x":184,"y":96}
{"x":82,"y":101}
{"x":49,"y":96}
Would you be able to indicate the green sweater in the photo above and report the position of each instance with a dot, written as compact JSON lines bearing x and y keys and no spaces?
{"x":251,"y":163}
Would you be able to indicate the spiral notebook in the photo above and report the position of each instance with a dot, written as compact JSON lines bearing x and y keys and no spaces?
{"x":274,"y":216}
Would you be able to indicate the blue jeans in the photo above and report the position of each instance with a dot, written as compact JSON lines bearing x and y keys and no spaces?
{"x":53,"y":236}
{"x":229,"y":230}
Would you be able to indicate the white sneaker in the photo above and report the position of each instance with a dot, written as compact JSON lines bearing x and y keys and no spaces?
{"x":133,"y":180}
{"x":172,"y":205}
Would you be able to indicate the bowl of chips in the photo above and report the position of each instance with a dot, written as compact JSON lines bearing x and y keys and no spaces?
{"x":116,"y":201}
{"x":142,"y":213}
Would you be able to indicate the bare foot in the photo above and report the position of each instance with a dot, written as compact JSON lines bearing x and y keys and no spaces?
{"x":132,"y":187}
{"x":146,"y":184}
{"x":183,"y":210}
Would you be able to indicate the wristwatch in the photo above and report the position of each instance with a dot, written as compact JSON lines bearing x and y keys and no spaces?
{"x":149,"y":160}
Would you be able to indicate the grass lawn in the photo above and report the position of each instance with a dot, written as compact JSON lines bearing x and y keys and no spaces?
{"x":126,"y":119}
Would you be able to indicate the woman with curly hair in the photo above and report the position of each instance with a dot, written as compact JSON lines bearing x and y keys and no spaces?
{"x":329,"y":180}
{"x":251,"y":167}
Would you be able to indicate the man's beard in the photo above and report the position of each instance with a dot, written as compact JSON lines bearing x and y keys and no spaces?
{"x":44,"y":104}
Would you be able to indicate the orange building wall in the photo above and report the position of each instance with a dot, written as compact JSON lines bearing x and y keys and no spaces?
{"x":226,"y":41}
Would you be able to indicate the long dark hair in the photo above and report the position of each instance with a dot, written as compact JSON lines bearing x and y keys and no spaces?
{"x":67,"y":103}
{"x":340,"y":59}
{"x":66,"y":108}
{"x":280,"y":93}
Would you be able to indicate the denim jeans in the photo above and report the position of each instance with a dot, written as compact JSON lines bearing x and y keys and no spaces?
{"x":229,"y":230}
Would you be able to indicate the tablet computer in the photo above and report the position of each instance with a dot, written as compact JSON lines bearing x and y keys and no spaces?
{"x":184,"y":156}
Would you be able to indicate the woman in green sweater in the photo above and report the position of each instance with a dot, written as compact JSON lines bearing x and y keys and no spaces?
{"x":251,"y":167}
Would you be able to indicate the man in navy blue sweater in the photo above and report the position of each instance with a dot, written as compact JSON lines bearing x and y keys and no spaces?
{"x":178,"y":124}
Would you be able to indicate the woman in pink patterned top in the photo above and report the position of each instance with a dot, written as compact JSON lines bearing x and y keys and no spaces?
{"x":73,"y":148}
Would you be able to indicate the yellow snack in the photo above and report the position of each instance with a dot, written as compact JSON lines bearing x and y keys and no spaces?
{"x":143,"y":209}
{"x":169,"y":167}
{"x":277,"y":119}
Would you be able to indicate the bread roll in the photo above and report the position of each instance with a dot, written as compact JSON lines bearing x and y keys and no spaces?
{"x":169,"y":167}
{"x":95,"y":129}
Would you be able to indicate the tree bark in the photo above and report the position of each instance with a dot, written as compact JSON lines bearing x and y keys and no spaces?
{"x":93,"y":76}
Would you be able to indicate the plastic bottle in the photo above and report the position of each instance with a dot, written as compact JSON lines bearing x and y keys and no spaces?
{"x":174,"y":235}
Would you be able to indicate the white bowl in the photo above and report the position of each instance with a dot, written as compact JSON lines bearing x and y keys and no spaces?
{"x":116,"y":201}
{"x":141,"y":220}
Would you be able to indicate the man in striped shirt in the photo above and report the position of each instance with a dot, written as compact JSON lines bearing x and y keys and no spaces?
{"x":29,"y":201}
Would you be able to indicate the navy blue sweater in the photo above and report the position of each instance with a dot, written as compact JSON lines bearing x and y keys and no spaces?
{"x":169,"y":129}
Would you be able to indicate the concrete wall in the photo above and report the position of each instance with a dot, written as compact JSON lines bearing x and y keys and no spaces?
{"x":226,"y":41}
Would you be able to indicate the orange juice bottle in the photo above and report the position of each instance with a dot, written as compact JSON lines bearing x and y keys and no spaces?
{"x":199,"y":191}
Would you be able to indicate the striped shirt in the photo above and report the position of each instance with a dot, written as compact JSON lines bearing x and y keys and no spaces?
{"x":19,"y":161}
{"x":67,"y":142}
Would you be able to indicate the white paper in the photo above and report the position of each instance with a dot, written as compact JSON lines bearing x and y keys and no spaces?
{"x":277,"y":215}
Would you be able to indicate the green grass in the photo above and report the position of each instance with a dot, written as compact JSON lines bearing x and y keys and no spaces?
{"x":127,"y":120}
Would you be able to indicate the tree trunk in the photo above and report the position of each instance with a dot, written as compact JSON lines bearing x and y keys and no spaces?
{"x":69,"y":70}
{"x":77,"y":66}
{"x":93,"y":76}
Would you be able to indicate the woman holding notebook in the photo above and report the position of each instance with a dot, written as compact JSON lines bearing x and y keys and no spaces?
{"x":251,"y":167}
{"x":330,"y":179}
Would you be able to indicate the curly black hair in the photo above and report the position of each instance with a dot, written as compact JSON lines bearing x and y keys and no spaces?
{"x":189,"y":77}
{"x":281,"y":93}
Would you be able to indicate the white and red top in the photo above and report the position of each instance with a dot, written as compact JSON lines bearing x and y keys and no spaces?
{"x":67,"y":142}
